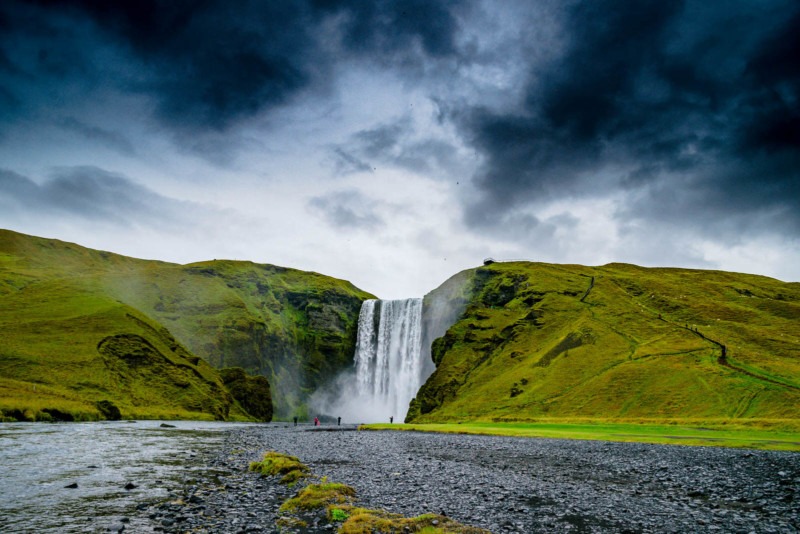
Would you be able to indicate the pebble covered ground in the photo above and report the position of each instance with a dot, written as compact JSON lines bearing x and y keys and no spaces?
{"x":501,"y":484}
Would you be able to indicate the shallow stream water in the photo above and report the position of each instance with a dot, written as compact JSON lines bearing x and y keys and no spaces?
{"x":38,"y":461}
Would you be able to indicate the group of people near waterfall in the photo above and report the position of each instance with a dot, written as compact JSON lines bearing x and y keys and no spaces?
{"x":338,"y":420}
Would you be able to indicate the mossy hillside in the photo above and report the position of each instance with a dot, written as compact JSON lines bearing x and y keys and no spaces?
{"x":72,"y":354}
{"x":617,"y":342}
{"x":442,"y":308}
{"x":296,"y":328}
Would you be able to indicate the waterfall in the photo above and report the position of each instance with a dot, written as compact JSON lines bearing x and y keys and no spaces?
{"x":393,"y":354}
{"x":389,"y":367}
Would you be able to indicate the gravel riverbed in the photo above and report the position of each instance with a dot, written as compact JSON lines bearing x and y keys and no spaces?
{"x":501,"y":484}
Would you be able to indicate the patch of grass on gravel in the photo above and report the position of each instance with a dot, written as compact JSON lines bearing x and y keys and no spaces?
{"x":364,"y":521}
{"x":276,"y":464}
{"x":319,"y":496}
{"x":337,"y":502}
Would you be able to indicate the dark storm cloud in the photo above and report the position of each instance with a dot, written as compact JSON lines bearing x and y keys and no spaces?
{"x":211,"y":64}
{"x":347,"y":209}
{"x":91,"y":194}
{"x":691,"y":107}
{"x":396,"y":28}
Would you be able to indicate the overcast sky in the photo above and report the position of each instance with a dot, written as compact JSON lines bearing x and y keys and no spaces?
{"x":395,"y":143}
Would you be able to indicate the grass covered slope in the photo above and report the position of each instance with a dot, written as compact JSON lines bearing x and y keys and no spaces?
{"x":60,"y":301}
{"x":68,"y":353}
{"x":296,"y":328}
{"x":617,"y":342}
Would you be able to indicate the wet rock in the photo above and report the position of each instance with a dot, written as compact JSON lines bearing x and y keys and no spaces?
{"x":166,"y":425}
{"x":130,"y":486}
{"x":72,"y":486}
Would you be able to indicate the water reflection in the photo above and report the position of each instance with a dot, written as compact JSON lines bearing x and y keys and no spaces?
{"x":38,"y":461}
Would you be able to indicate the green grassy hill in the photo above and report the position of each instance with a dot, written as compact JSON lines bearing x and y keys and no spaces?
{"x":69,"y":315}
{"x":621,"y":342}
{"x":84,"y":333}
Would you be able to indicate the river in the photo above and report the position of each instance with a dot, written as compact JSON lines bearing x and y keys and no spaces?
{"x":39,"y":461}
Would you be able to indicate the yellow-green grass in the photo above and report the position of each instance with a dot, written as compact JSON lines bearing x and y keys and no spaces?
{"x":617,"y":342}
{"x":67,"y":347}
{"x":297,"y":328}
{"x":365,"y":521}
{"x":320,"y":495}
{"x":289,"y":468}
{"x":768,"y":435}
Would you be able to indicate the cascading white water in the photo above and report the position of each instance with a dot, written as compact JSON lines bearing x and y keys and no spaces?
{"x":389,"y":366}
{"x":393,"y":355}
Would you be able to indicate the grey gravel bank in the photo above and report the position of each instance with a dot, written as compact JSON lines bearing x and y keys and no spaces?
{"x":498,"y":483}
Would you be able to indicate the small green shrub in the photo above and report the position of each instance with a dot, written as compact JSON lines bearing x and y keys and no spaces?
{"x":337,"y":514}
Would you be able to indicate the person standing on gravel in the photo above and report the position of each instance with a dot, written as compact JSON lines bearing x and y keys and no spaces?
{"x":316,"y":421}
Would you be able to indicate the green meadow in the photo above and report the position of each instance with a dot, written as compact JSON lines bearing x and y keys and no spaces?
{"x":768,"y":435}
